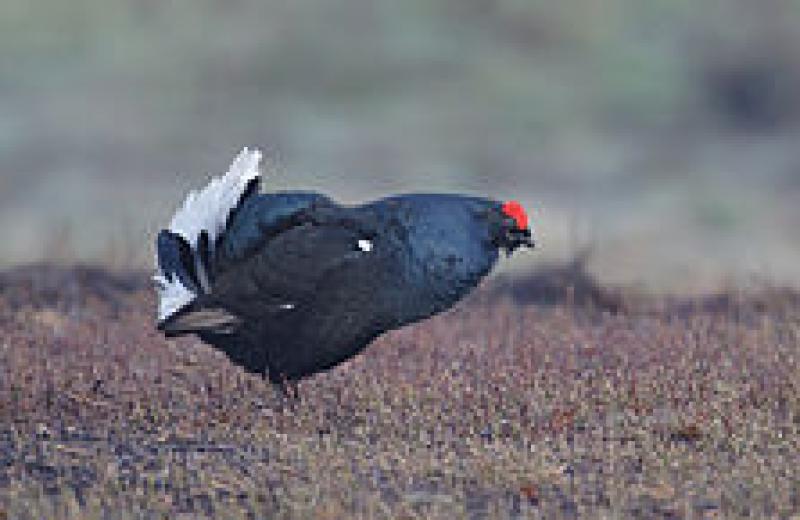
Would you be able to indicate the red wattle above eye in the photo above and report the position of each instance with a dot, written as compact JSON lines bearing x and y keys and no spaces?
{"x":515,"y":210}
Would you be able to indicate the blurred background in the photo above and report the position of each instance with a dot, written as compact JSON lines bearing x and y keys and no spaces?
{"x":663,"y":134}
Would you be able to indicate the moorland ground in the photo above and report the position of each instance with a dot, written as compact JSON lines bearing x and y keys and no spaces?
{"x":527,"y":401}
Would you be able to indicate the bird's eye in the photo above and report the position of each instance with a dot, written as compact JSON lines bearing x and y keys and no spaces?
{"x":365,"y":245}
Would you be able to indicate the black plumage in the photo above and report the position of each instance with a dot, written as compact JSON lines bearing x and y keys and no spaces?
{"x":295,"y":283}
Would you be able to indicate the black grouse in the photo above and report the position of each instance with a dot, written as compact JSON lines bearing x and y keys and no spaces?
{"x":289,"y":284}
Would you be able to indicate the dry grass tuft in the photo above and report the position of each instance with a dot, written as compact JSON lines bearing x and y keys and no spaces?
{"x":496,"y":409}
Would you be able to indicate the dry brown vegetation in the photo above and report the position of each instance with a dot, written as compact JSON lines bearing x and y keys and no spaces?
{"x":501,"y":408}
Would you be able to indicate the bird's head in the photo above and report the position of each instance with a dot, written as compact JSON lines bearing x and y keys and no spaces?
{"x":510,"y":228}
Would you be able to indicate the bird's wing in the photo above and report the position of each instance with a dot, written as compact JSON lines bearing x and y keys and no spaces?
{"x":290,"y":267}
{"x":280,"y":276}
{"x":218,"y":226}
{"x":259,"y":219}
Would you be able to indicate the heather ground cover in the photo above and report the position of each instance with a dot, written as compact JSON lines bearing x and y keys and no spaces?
{"x":529,"y":400}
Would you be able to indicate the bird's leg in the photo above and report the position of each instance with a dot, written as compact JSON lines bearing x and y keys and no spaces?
{"x":289,"y":387}
{"x":285,"y":388}
{"x":294,"y":386}
{"x":281,"y":392}
{"x":277,"y":386}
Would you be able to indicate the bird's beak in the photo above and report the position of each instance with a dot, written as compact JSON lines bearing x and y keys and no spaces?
{"x":528,"y":239}
{"x":516,"y":237}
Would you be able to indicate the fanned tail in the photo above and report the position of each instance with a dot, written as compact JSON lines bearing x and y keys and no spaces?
{"x":185,"y":251}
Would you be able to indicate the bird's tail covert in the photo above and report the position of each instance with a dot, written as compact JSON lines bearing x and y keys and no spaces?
{"x":185,"y":251}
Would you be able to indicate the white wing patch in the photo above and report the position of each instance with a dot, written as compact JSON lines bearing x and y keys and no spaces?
{"x":365,"y":245}
{"x":205,"y":210}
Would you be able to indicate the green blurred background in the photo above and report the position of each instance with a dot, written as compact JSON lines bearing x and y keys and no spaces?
{"x":662,"y":134}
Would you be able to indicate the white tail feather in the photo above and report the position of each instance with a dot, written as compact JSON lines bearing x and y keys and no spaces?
{"x":172,"y":296}
{"x":205,"y":210}
{"x":208,"y":209}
